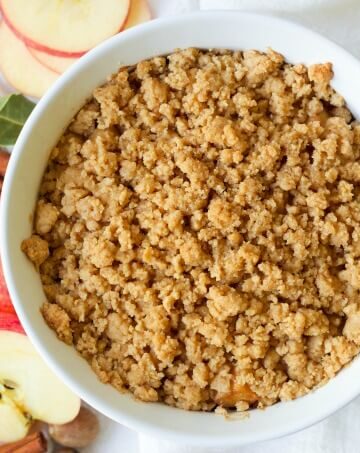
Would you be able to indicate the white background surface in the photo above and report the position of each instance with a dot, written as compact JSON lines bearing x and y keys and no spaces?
{"x":340,"y":21}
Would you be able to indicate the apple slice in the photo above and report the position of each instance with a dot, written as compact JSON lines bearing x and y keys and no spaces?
{"x":27,"y":383}
{"x":65,"y":27}
{"x":139,"y":13}
{"x":14,"y":424}
{"x":52,"y":62}
{"x":20,"y":68}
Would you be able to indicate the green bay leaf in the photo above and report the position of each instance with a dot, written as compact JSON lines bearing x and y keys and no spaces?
{"x":14,"y":111}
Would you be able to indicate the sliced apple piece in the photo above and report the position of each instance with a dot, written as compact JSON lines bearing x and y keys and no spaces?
{"x":236,"y":394}
{"x":52,"y":62}
{"x":14,"y":424}
{"x":20,"y":68}
{"x":65,"y":27}
{"x":31,"y":386}
{"x":139,"y":13}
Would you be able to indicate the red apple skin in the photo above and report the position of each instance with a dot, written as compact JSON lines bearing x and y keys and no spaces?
{"x":5,"y":301}
{"x":56,"y":52}
{"x":35,"y":45}
{"x":20,"y":68}
{"x":8,"y":316}
{"x":43,"y":57}
{"x":9,"y":321}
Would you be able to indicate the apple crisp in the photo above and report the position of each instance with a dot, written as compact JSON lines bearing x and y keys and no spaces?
{"x":197,"y":231}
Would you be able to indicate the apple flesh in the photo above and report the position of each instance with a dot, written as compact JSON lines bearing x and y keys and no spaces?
{"x":14,"y":424}
{"x":29,"y":389}
{"x":65,"y":27}
{"x":36,"y":389}
{"x":20,"y":68}
{"x":52,"y":62}
{"x":139,"y":13}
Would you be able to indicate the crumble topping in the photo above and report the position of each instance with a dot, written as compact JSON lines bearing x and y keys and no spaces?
{"x":197,"y":231}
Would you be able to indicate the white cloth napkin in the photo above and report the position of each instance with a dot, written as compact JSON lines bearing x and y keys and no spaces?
{"x":339,"y":20}
{"x":338,"y":434}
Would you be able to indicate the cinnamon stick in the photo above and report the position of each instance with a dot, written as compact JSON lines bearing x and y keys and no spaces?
{"x":33,"y":443}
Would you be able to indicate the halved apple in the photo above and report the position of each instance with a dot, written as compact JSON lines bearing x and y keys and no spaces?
{"x":5,"y":302}
{"x":14,"y":424}
{"x":8,"y":317}
{"x":52,"y":62}
{"x":10,"y":321}
{"x":20,"y":68}
{"x":15,"y":343}
{"x":139,"y":13}
{"x":65,"y":27}
{"x":29,"y":388}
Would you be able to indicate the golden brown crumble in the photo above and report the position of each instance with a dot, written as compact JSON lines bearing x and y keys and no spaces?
{"x":198,"y":230}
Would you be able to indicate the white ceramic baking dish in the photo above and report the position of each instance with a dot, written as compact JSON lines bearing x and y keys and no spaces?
{"x":218,"y":29}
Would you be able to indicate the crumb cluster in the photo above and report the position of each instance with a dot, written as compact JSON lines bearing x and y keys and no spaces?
{"x":197,"y":231}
